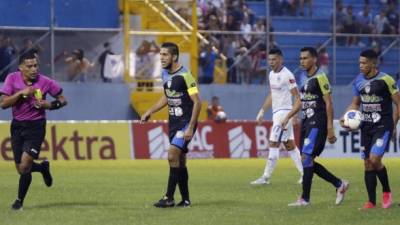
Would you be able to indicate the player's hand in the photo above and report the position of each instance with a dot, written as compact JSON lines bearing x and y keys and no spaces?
{"x":42,"y":104}
{"x":26,"y":92}
{"x":284,"y":123}
{"x":145,"y":117}
{"x":331,"y":136}
{"x":188,"y":134}
{"x":260,"y":116}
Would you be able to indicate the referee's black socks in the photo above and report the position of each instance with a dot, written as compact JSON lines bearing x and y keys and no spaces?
{"x":183,"y":183}
{"x":172,"y":181}
{"x":24,"y":183}
{"x":383,"y":178}
{"x":370,"y":183}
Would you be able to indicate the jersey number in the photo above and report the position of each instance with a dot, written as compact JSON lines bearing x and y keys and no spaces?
{"x":175,"y":111}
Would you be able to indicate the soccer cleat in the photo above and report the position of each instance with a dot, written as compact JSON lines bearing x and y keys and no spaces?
{"x":165,"y":202}
{"x":260,"y":181}
{"x":299,"y":203}
{"x":386,"y":200}
{"x":300,"y":181}
{"x":48,"y":179}
{"x":184,"y":204}
{"x":17,"y":205}
{"x":368,"y":205}
{"x":340,"y":192}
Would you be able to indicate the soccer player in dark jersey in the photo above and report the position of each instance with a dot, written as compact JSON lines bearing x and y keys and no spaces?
{"x":316,"y":126}
{"x":26,"y":91}
{"x":182,"y":97}
{"x":375,"y":92}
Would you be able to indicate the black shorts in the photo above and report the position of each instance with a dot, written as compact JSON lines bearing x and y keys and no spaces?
{"x":27,"y":136}
{"x":176,"y":132}
{"x":313,"y":139}
{"x":375,"y":139}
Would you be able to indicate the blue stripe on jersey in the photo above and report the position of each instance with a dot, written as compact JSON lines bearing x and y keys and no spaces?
{"x":360,"y":82}
{"x":380,"y":144}
{"x":309,"y":146}
{"x":179,"y":141}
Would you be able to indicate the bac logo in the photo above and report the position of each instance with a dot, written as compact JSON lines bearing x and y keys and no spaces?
{"x":158,"y":143}
{"x":239,"y":143}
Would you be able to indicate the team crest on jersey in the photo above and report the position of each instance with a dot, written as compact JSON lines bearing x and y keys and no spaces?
{"x":169,"y":84}
{"x":379,"y":142}
{"x":326,"y":86}
{"x":367,"y":89}
{"x":305,"y":86}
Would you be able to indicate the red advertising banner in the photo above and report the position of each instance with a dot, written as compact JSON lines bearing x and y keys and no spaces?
{"x":232,"y":139}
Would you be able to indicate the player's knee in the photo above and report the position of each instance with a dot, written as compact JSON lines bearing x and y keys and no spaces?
{"x":274,"y":144}
{"x":289,"y":146}
{"x":307,"y":160}
{"x":23,"y":169}
{"x":273,"y":155}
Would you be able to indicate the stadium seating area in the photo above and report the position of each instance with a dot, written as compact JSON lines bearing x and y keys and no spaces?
{"x":346,"y":56}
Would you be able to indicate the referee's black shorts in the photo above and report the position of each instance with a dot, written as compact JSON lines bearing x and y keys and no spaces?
{"x":27,"y":136}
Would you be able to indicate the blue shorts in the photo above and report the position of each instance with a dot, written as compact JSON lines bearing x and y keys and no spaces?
{"x":176,"y":137}
{"x":375,"y":140}
{"x":312,"y":141}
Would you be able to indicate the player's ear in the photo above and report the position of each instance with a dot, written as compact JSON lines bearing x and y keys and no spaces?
{"x":175,"y":58}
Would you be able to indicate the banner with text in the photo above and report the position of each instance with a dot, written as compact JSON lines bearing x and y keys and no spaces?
{"x":77,"y":140}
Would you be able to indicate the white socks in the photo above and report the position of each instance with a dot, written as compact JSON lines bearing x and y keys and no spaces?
{"x":296,"y":157}
{"x":273,"y":157}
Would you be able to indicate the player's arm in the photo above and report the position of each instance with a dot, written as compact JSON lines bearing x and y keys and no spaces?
{"x":10,"y":100}
{"x":296,"y":107}
{"x":396,"y":112}
{"x":266,"y":105}
{"x":329,"y":113}
{"x":59,"y":102}
{"x":155,"y":108}
{"x":195,"y":115}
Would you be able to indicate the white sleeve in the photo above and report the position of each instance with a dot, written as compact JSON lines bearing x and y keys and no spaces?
{"x":291,"y":80}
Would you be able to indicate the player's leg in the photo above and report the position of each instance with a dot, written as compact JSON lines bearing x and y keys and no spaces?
{"x":183,"y":182}
{"x":173,"y":160}
{"x":292,"y":149}
{"x":370,"y":179}
{"x":377,"y":152}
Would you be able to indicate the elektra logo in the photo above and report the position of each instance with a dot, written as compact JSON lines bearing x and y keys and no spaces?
{"x":239,"y":143}
{"x":158,"y":143}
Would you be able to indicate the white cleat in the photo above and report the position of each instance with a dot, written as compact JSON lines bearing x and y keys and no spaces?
{"x":340,"y":192}
{"x":299,"y":203}
{"x":300,"y":181}
{"x":260,"y":181}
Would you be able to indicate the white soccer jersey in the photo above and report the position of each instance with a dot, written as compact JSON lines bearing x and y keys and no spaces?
{"x":281,"y":83}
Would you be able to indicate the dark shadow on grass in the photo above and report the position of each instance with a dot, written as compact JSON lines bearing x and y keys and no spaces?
{"x":216,"y":202}
{"x":68,"y":205}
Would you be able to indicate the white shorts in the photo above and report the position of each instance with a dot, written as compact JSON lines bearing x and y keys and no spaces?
{"x":277,"y":134}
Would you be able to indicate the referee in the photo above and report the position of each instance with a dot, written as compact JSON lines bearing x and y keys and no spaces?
{"x":26,"y":91}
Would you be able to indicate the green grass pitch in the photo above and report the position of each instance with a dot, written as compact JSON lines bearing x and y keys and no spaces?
{"x":122,"y":192}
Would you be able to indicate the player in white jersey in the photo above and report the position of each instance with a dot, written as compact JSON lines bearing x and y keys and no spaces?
{"x":282,"y":88}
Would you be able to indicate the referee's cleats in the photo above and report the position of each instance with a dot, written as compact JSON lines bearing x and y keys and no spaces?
{"x":184,"y":204}
{"x":165,"y":202}
{"x":17,"y":205}
{"x":48,"y":179}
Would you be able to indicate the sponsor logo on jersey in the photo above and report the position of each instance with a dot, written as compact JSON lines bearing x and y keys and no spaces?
{"x":172,"y":93}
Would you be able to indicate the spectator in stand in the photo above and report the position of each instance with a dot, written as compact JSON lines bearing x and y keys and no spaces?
{"x":28,"y":46}
{"x":78,"y":66}
{"x":230,"y":44}
{"x":260,"y":65}
{"x":340,"y":21}
{"x":349,"y":25}
{"x":102,"y":61}
{"x":323,"y":60}
{"x":207,"y":63}
{"x":364,"y":23}
{"x":245,"y":28}
{"x":214,"y":108}
{"x":393,"y":18}
{"x":310,"y":4}
{"x":382,"y":25}
{"x":244,"y":66}
{"x":7,"y":52}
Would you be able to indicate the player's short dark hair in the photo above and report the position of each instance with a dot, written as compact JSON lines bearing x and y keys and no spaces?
{"x":370,"y":54}
{"x":275,"y":51}
{"x":172,"y":48}
{"x":313,"y":52}
{"x":106,"y":44}
{"x":31,"y":54}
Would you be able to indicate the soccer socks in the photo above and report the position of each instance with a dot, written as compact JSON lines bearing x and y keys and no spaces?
{"x":296,"y":157}
{"x":36,"y":167}
{"x":273,"y":157}
{"x":370,"y":183}
{"x":322,"y":172}
{"x":183,"y":183}
{"x":383,"y":178}
{"x":307,"y":181}
{"x":172,"y":181}
{"x":24,"y":183}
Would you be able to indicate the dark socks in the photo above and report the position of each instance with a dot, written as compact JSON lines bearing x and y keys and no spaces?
{"x":370,"y":183}
{"x":383,"y":178}
{"x":36,"y":167}
{"x":183,"y":183}
{"x":322,"y":172}
{"x":307,"y":181}
{"x":172,"y":181}
{"x":24,"y":183}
